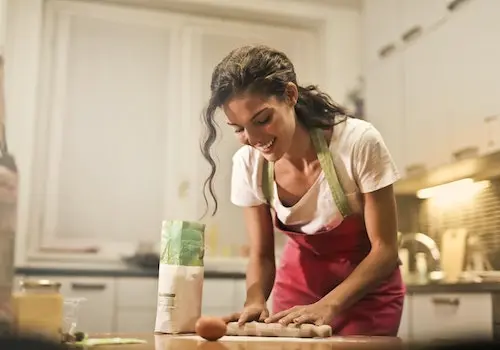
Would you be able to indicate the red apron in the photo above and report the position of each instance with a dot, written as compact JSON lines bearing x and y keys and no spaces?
{"x":313,"y":265}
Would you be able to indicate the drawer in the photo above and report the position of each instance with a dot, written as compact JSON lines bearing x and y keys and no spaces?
{"x":96,"y":314}
{"x":218,"y":311}
{"x":218,"y":293}
{"x":240,"y":293}
{"x":135,"y":321}
{"x":137,"y":292}
{"x":436,"y":317}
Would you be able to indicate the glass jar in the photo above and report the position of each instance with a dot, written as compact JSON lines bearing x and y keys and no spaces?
{"x":38,"y":308}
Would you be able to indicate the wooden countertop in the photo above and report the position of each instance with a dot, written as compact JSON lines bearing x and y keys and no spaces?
{"x":193,"y":342}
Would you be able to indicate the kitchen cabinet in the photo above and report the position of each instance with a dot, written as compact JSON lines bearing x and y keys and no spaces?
{"x":426,"y":108}
{"x":126,"y":304}
{"x":448,"y":85}
{"x":447,"y":316}
{"x":218,"y":297}
{"x":136,"y":301}
{"x":421,"y":14}
{"x":381,"y":26}
{"x":385,"y":108}
{"x":240,"y":293}
{"x":472,"y":76}
{"x":96,"y":313}
{"x":387,"y":22}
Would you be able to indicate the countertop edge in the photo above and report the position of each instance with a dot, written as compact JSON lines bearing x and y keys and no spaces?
{"x":227,"y":273}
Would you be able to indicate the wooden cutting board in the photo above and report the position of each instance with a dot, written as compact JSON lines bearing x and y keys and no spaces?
{"x":453,"y":253}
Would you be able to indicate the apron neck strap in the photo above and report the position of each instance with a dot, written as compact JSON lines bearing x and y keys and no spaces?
{"x":326,"y":161}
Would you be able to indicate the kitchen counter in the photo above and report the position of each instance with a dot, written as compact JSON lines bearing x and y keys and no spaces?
{"x":222,"y":271}
{"x":192,"y":342}
{"x":114,"y":272}
{"x":453,"y":287}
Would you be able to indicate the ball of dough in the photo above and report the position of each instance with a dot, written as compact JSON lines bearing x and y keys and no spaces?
{"x":210,"y":328}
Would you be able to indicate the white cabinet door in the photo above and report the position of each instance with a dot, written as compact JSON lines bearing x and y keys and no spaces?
{"x":437,"y":317}
{"x":473,"y":71}
{"x":97,"y":313}
{"x":381,"y":26}
{"x":428,"y":120}
{"x":136,"y":300}
{"x":385,"y":104}
{"x":240,"y":293}
{"x":218,"y":297}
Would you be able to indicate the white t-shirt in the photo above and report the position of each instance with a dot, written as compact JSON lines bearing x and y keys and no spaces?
{"x":362,"y":162}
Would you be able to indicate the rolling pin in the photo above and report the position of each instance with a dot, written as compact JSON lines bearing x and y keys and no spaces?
{"x":261,"y":329}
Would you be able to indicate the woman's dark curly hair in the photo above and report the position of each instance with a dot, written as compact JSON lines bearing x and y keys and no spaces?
{"x":265,"y":71}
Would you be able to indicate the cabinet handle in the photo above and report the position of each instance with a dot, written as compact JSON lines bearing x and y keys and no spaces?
{"x":490,"y":118}
{"x":88,"y":286}
{"x":386,"y":50}
{"x":466,"y":152}
{"x":446,"y":301}
{"x":415,"y":169}
{"x":411,"y":33}
{"x":455,"y":4}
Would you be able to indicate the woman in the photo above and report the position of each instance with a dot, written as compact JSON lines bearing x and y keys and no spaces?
{"x":325,"y":180}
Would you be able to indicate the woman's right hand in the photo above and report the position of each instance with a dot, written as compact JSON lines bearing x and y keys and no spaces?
{"x":251,"y":312}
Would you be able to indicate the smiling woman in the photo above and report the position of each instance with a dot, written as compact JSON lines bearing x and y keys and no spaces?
{"x":327,"y":180}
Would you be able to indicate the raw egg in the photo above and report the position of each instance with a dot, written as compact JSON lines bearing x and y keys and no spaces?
{"x":210,"y":328}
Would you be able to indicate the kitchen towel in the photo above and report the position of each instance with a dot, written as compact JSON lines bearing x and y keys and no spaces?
{"x":181,"y":270}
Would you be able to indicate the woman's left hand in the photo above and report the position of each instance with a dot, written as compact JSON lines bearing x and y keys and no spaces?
{"x":318,"y":313}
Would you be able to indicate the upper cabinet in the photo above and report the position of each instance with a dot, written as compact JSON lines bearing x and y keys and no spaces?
{"x":472,"y":54}
{"x":385,"y":105}
{"x":381,"y":28}
{"x":427,"y":115}
{"x":387,"y":24}
{"x":447,"y":56}
{"x":421,"y":14}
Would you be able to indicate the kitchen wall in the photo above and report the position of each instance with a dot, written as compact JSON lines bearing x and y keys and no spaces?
{"x":478,"y":213}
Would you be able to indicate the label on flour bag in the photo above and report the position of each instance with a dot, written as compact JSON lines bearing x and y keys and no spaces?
{"x":180,"y":277}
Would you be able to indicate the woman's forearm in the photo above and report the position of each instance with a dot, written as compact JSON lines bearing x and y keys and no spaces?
{"x":377,"y":265}
{"x":261,"y":272}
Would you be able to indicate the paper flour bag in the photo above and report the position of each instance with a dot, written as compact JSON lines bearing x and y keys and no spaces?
{"x":180,"y":280}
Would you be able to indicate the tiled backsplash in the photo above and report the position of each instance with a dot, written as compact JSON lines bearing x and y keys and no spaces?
{"x":480,"y":215}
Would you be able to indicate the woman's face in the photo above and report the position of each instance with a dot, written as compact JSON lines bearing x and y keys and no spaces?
{"x":266,"y":124}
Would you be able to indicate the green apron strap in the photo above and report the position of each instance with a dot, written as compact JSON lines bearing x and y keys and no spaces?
{"x":268,"y":181}
{"x":326,"y":161}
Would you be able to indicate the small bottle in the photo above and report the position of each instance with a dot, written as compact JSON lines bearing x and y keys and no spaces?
{"x":421,"y":265}
{"x":38,"y":309}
